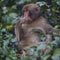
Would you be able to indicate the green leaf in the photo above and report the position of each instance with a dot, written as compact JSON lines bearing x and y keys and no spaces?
{"x":56,"y":51}
{"x":56,"y":57}
{"x":7,"y":58}
{"x":46,"y":57}
{"x":13,"y":15}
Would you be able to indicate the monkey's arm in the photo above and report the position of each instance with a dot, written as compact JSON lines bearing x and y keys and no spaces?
{"x":19,"y":31}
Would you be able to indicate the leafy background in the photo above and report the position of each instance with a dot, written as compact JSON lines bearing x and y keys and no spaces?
{"x":10,"y":12}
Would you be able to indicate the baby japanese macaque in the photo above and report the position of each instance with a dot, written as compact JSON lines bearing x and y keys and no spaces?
{"x":32,"y":20}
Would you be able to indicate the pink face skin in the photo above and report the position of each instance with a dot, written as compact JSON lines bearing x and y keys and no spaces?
{"x":25,"y":17}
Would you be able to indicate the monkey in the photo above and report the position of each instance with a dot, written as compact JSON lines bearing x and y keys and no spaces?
{"x":32,"y":20}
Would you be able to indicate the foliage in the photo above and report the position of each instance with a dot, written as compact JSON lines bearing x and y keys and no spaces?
{"x":7,"y":44}
{"x":10,"y":12}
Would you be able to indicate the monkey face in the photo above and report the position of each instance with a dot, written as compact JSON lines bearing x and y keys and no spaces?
{"x":31,"y":12}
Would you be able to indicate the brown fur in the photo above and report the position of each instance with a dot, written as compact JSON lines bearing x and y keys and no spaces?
{"x":24,"y":28}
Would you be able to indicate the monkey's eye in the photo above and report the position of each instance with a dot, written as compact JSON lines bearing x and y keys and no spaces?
{"x":25,"y":10}
{"x":36,"y":9}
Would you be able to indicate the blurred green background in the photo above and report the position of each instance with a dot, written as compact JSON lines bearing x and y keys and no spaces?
{"x":10,"y":12}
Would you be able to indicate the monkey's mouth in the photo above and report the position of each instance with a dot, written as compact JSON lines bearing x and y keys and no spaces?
{"x":26,"y":19}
